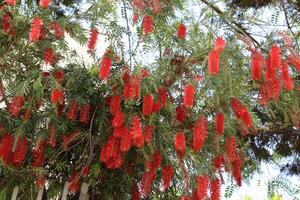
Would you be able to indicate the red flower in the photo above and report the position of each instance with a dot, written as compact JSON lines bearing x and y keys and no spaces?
{"x":85,"y":112}
{"x":180,"y":113}
{"x":139,"y":4}
{"x":115,"y":104}
{"x":19,"y":153}
{"x":85,"y":170}
{"x":275,"y":57}
{"x":162,"y":96}
{"x":52,"y":136}
{"x":49,"y":56}
{"x":256,"y":63}
{"x":156,"y":107}
{"x":10,"y":2}
{"x":16,"y":105}
{"x":147,"y":180}
{"x":202,"y":186}
{"x":213,"y":63}
{"x":189,"y":95}
{"x":7,"y":142}
{"x":45,"y":3}
{"x":147,"y":105}
{"x":40,"y":181}
{"x":167,"y":175}
{"x":230,"y":148}
{"x":125,"y":142}
{"x":220,"y":123}
{"x":135,"y":193}
{"x":156,"y":5}
{"x":148,"y":24}
{"x":181,"y":31}
{"x":237,"y":170}
{"x":135,"y":127}
{"x":74,"y":182}
{"x":6,"y":24}
{"x":200,"y":134}
{"x":57,"y":96}
{"x":67,"y":139}
{"x":35,"y":29}
{"x":72,"y":111}
{"x":92,"y":40}
{"x":294,"y":59}
{"x":38,"y":155}
{"x":135,"y":87}
{"x":286,"y":78}
{"x":135,"y":18}
{"x":156,"y":160}
{"x":218,"y":162}
{"x":220,"y":45}
{"x":58,"y":30}
{"x":179,"y":142}
{"x":148,"y":132}
{"x":118,"y":119}
{"x":104,"y":70}
{"x":215,"y":189}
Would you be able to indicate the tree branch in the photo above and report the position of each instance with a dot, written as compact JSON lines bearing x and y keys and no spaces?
{"x":237,"y":26}
{"x":2,"y":91}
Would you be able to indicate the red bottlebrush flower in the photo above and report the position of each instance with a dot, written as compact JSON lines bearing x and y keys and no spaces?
{"x":213,"y":63}
{"x":294,"y":59}
{"x":45,"y":3}
{"x":10,"y":2}
{"x":215,"y":189}
{"x":52,"y":136}
{"x":6,"y":24}
{"x":104,"y":70}
{"x":286,"y":78}
{"x":167,"y":175}
{"x":156,"y":5}
{"x":135,"y":18}
{"x":189,"y":95}
{"x":263,"y":95}
{"x":275,"y":57}
{"x":270,"y":73}
{"x":35,"y":29}
{"x":179,"y":142}
{"x":59,"y":32}
{"x":135,"y":193}
{"x":38,"y":154}
{"x":162,"y":96}
{"x":125,"y":142}
{"x":156,"y":107}
{"x":230,"y":148}
{"x":135,"y":127}
{"x":26,"y":115}
{"x":135,"y":87}
{"x":220,"y":45}
{"x":147,"y":180}
{"x":40,"y":181}
{"x":74,"y":182}
{"x":145,"y":73}
{"x":202,"y":186}
{"x":16,"y":105}
{"x":218,"y":162}
{"x":256,"y":64}
{"x":118,"y":119}
{"x":72,"y":111}
{"x":6,"y":145}
{"x":246,"y":118}
{"x":119,"y":132}
{"x":237,"y":170}
{"x":148,"y":132}
{"x":180,"y":113}
{"x":139,"y":4}
{"x":115,"y":104}
{"x":237,"y":108}
{"x":127,"y":91}
{"x":220,"y":123}
{"x":85,"y":112}
{"x":19,"y":153}
{"x":85,"y":170}
{"x":148,"y":24}
{"x":181,"y":31}
{"x":67,"y":139}
{"x":49,"y":56}
{"x":57,"y":96}
{"x":147,"y":105}
{"x":200,"y":134}
{"x":156,"y":160}
{"x":92,"y":40}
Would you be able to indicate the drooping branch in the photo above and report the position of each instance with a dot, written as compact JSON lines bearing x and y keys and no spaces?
{"x":234,"y":25}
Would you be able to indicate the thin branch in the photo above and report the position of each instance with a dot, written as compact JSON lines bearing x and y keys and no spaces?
{"x":128,"y":32}
{"x":2,"y":91}
{"x":237,"y":26}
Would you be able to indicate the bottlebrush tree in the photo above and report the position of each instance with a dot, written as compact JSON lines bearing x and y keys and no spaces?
{"x":164,"y":113}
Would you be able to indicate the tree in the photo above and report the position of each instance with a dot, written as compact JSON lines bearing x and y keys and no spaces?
{"x":164,"y":113}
